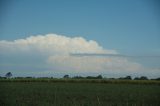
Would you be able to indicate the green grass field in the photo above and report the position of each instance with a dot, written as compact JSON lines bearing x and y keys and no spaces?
{"x":50,"y":93}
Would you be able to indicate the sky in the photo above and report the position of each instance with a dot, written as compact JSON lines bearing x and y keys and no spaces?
{"x":80,"y":37}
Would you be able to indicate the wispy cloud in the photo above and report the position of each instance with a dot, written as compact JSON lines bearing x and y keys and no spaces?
{"x":114,"y":55}
{"x":97,"y":54}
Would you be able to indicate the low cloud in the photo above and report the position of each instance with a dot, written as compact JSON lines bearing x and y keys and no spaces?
{"x":59,"y":53}
{"x":95,"y":64}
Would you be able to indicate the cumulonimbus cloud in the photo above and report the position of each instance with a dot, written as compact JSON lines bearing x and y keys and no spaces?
{"x":53,"y":44}
{"x":58,"y":51}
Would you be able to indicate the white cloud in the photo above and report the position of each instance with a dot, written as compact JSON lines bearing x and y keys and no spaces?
{"x":53,"y":44}
{"x":93,"y":64}
{"x":57,"y":49}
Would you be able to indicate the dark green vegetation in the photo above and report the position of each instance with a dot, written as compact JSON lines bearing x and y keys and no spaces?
{"x":67,"y":92}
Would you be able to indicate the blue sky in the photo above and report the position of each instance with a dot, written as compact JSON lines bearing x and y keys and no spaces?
{"x":131,"y":27}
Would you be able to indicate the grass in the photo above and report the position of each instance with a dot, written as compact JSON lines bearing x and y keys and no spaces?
{"x":50,"y":93}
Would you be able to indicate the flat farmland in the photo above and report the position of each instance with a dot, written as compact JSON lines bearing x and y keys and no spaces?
{"x":38,"y":93}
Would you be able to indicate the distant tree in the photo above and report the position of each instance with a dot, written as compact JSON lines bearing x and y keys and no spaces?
{"x":136,"y":78}
{"x":8,"y":75}
{"x":78,"y":77}
{"x":157,"y":79}
{"x":2,"y":77}
{"x":143,"y":78}
{"x":93,"y":77}
{"x":28,"y":77}
{"x":66,"y":76}
{"x":111,"y":78}
{"x":18,"y":77}
{"x":125,"y":78}
{"x":99,"y":77}
{"x":128,"y":78}
{"x":90,"y":77}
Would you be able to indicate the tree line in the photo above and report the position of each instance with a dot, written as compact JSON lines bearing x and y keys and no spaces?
{"x":9,"y":75}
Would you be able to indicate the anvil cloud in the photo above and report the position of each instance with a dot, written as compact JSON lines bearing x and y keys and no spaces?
{"x":57,"y":51}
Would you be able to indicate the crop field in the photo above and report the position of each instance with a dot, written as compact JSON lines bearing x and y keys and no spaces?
{"x":70,"y":93}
